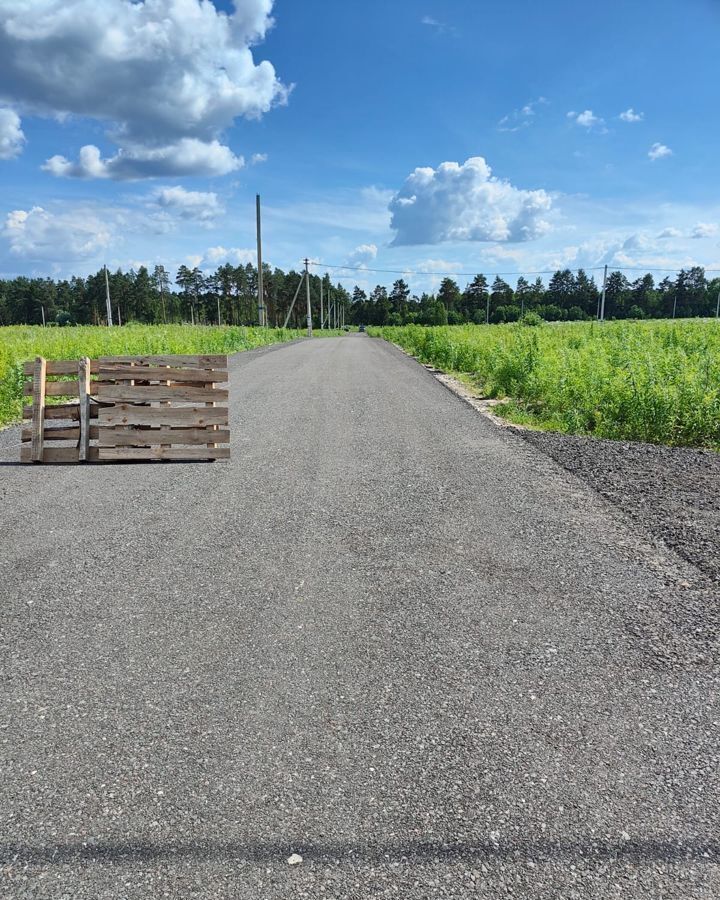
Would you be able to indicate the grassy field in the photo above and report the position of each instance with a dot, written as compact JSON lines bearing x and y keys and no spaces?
{"x":20,"y":343}
{"x":648,"y":381}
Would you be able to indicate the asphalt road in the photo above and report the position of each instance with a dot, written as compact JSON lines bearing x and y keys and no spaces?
{"x":387,"y":636}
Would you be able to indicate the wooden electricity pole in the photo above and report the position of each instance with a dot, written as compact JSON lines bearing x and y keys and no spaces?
{"x":261,"y":300}
{"x":107,"y":298}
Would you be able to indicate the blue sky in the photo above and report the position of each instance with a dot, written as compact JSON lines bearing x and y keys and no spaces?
{"x":425,"y":137}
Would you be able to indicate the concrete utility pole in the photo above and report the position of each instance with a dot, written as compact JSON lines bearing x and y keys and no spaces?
{"x":602,"y":298}
{"x":261,"y":301}
{"x":309,"y":308}
{"x":321,"y":306}
{"x":108,"y":307}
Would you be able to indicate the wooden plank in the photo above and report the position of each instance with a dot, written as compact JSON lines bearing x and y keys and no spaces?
{"x":58,"y":434}
{"x":161,"y":373}
{"x":61,"y":411}
{"x":124,"y":393}
{"x":119,"y":454}
{"x":133,"y":437}
{"x":84,"y":404}
{"x":177,"y":417}
{"x":60,"y":388}
{"x":56,"y":454}
{"x":38,"y":416}
{"x":194,"y":362}
{"x":60,"y":367}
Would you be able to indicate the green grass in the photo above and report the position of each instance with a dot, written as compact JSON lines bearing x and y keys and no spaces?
{"x":648,"y":381}
{"x":19,"y":343}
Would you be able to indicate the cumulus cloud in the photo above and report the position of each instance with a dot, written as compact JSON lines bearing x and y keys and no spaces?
{"x":258,"y":158}
{"x":42,"y":235}
{"x":704,"y":230}
{"x":466,"y":203}
{"x":237,"y":255}
{"x":12,"y":138}
{"x":587,"y":119}
{"x":167,"y":76}
{"x":669,"y":233}
{"x":199,"y":206}
{"x":631,"y":116}
{"x":188,"y":156}
{"x":659,"y":151}
{"x":362,"y":255}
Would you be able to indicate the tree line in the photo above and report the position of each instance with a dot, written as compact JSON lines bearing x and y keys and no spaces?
{"x":229,"y":296}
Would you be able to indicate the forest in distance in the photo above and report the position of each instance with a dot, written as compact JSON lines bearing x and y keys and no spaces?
{"x":228,"y":296}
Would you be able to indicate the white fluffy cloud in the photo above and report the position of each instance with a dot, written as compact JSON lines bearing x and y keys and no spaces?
{"x":465,"y":202}
{"x":237,"y":255}
{"x":11,"y":134}
{"x":42,"y":235}
{"x":587,"y":119}
{"x":200,"y":206}
{"x":704,"y":230}
{"x":659,"y":151}
{"x":631,"y":116}
{"x":167,"y":76}
{"x":669,"y":233}
{"x":362,"y":255}
{"x":188,"y":156}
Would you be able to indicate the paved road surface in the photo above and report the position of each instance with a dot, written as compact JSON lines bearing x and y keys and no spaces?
{"x":386,"y":636}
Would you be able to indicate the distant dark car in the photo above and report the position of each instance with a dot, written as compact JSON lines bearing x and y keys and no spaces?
{"x":361,"y":328}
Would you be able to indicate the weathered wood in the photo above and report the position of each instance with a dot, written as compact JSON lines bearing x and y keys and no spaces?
{"x":84,"y":404}
{"x":119,"y":454}
{"x":60,"y":388}
{"x":38,"y":417}
{"x":195,"y":362}
{"x":121,"y":393}
{"x":60,"y":367}
{"x":160,"y":373}
{"x":177,"y":417}
{"x":58,"y":434}
{"x":132,"y":437}
{"x":56,"y":454}
{"x":61,"y":411}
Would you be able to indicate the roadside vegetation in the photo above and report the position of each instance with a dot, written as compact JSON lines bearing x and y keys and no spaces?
{"x":21,"y":343}
{"x":653,"y":381}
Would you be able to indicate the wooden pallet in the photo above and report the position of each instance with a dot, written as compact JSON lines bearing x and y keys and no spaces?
{"x":136,"y":408}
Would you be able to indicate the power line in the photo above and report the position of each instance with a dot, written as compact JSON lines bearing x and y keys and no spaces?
{"x":322,"y":265}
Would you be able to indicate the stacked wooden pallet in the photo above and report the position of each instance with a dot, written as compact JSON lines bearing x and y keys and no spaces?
{"x":136,"y":408}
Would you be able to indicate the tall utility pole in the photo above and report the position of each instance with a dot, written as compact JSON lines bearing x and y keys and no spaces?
{"x":321,"y":305}
{"x":307,"y":287}
{"x":108,"y":307}
{"x":602,"y":298}
{"x":261,"y":301}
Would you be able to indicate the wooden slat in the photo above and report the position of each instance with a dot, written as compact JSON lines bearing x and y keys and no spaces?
{"x":195,"y":362}
{"x":84,"y":404}
{"x":184,"y":417}
{"x":161,"y":373}
{"x":60,"y":388}
{"x":58,"y":434}
{"x":118,"y":454}
{"x":61,"y":411}
{"x":38,"y":415}
{"x":119,"y":393}
{"x":60,"y":367}
{"x":56,"y":454}
{"x":132,"y":437}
